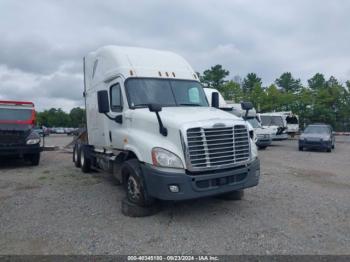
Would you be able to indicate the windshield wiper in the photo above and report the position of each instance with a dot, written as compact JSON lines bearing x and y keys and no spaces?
{"x":189,"y":104}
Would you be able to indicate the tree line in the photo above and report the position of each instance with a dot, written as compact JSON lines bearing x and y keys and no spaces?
{"x":58,"y":118}
{"x":321,"y":100}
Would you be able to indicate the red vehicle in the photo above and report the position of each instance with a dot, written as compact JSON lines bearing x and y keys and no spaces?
{"x":17,"y":136}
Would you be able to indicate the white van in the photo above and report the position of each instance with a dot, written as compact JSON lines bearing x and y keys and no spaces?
{"x":276,"y":122}
{"x":150,"y":125}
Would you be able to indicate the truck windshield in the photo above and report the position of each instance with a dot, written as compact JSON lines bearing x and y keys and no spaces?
{"x":144,"y":91}
{"x":7,"y":114}
{"x":254,"y":122}
{"x":272,"y":120}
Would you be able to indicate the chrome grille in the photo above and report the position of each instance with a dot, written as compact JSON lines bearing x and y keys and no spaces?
{"x":221,"y":146}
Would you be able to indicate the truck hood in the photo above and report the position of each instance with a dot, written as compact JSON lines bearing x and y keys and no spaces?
{"x":264,"y":131}
{"x":175,"y":117}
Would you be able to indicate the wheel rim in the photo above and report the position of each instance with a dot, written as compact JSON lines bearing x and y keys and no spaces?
{"x":133,"y":189}
{"x":82,"y":158}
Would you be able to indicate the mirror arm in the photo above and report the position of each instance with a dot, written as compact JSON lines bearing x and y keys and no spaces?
{"x":246,"y":113}
{"x":162,"y":129}
{"x":116,"y":119}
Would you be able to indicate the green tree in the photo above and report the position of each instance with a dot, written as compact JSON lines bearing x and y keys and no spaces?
{"x":214,"y":77}
{"x":249,"y":82}
{"x":232,"y":91}
{"x":288,"y":83}
{"x":317,"y":82}
{"x":258,"y":96}
{"x":77,"y":117}
{"x":273,"y":99}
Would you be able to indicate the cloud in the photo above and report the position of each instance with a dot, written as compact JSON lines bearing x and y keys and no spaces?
{"x":43,"y":42}
{"x":59,"y":90}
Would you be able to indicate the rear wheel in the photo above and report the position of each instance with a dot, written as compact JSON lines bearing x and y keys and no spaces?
{"x":301,"y":148}
{"x":85,"y":161}
{"x":234,"y":195}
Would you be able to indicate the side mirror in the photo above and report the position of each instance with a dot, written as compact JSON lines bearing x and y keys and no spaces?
{"x":103,"y":102}
{"x":246,"y":105}
{"x":154,"y":108}
{"x":215,"y":99}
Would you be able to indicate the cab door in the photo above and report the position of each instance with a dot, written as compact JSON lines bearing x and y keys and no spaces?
{"x":117,"y":127}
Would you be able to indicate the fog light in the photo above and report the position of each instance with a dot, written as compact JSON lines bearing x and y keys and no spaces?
{"x":174,"y":188}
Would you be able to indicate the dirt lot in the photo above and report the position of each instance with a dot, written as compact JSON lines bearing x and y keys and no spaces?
{"x":301,"y":206}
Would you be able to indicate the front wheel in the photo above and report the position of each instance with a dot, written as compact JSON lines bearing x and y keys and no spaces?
{"x":234,"y":195}
{"x":301,"y":148}
{"x":135,"y":189}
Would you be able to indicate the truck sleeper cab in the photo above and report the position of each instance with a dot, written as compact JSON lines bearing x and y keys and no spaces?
{"x":150,"y":125}
{"x":17,"y":135}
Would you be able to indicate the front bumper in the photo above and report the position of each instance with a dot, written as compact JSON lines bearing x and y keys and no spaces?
{"x":19,"y":150}
{"x":199,"y":185}
{"x":315,"y":144}
{"x":282,"y":136}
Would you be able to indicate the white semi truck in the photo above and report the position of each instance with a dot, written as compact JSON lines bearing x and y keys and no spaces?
{"x":150,"y":125}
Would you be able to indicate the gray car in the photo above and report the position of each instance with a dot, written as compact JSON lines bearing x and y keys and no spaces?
{"x":317,"y":136}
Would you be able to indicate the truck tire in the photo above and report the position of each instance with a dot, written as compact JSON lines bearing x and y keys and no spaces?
{"x":76,"y":155}
{"x":34,"y":159}
{"x":85,"y":161}
{"x":301,"y":148}
{"x":135,"y":189}
{"x":234,"y":195}
{"x":133,"y":210}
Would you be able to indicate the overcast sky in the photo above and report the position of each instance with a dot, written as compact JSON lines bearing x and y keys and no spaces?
{"x":42,"y":42}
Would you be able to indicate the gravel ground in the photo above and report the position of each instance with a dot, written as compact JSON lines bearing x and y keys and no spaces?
{"x":301,"y":206}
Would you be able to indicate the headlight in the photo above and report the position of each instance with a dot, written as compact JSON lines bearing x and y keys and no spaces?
{"x":164,"y":158}
{"x":33,"y":141}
